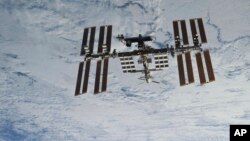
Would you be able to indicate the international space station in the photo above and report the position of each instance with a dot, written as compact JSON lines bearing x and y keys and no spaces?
{"x":182,"y":49}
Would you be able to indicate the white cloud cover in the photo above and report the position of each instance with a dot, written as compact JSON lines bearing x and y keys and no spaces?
{"x":39,"y":55}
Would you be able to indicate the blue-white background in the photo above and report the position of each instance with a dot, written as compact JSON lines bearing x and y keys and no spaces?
{"x":39,"y":55}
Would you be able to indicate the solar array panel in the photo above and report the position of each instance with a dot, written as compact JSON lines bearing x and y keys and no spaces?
{"x":184,"y":32}
{"x":102,"y":43}
{"x":97,"y":77}
{"x":209,"y":66}
{"x":200,"y":68}
{"x":189,"y":67}
{"x":88,"y":46}
{"x":203,"y":71}
{"x":202,"y":30}
{"x":87,"y":49}
{"x":198,"y":33}
{"x":193,"y":24}
{"x":79,"y":79}
{"x":84,"y":40}
{"x":181,"y":70}
{"x":99,"y":62}
{"x":176,"y":33}
{"x":193,"y":28}
{"x":106,"y":60}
